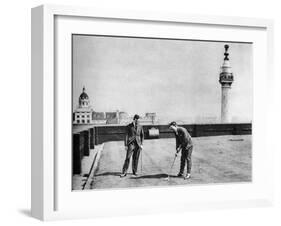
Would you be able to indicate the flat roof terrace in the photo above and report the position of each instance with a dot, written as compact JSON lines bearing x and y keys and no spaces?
{"x":215,"y":159}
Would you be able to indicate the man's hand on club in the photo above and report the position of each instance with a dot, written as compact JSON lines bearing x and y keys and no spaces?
{"x":126,"y":148}
{"x":141,"y":147}
{"x":177,"y":152}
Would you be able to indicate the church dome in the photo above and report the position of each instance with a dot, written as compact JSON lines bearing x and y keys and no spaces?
{"x":84,"y":95}
{"x":84,"y":99}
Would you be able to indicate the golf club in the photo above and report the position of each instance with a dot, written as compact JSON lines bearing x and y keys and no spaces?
{"x":141,"y":160}
{"x":168,"y":178}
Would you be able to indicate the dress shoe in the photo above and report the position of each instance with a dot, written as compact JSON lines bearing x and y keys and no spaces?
{"x":187,"y":176}
{"x":180,"y":175}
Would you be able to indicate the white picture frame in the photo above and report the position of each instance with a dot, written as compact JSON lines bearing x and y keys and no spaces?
{"x":52,"y":198}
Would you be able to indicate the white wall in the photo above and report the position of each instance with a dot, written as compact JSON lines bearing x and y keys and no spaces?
{"x":15,"y":134}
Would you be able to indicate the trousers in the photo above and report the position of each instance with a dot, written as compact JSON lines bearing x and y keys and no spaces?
{"x":133,"y":149}
{"x":186,"y":159}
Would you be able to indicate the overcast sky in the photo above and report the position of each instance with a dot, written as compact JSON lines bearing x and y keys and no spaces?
{"x":177,"y":79}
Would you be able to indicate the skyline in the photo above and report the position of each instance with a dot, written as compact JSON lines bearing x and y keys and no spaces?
{"x":174,"y":78}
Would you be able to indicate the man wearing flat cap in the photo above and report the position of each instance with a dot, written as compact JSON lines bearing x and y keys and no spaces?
{"x":183,"y":143}
{"x":133,"y":145}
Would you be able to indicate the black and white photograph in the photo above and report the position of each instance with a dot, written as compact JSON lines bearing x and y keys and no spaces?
{"x":138,"y":113}
{"x":150,"y":112}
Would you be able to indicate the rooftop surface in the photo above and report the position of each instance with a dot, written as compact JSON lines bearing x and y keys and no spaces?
{"x":216,"y":159}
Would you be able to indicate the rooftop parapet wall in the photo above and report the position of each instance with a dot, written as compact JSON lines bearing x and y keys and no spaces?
{"x":117,"y":133}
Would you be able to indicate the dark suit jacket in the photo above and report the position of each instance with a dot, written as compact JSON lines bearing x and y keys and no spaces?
{"x":183,"y":138}
{"x":133,"y":133}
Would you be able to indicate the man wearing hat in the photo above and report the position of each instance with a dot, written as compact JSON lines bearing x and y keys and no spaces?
{"x":133,"y":145}
{"x":183,"y":143}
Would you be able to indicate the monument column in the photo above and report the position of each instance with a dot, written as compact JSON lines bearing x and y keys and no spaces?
{"x":226,"y":79}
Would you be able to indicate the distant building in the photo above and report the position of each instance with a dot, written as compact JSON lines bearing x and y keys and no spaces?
{"x":149,"y":118}
{"x":98,"y":115}
{"x":83,"y":114}
{"x":110,"y":115}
